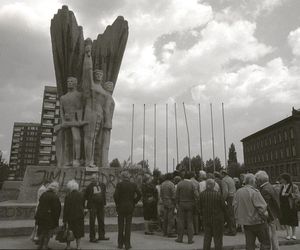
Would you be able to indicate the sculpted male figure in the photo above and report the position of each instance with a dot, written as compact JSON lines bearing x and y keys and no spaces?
{"x":108,"y":108}
{"x":71,"y":109}
{"x":95,"y":98}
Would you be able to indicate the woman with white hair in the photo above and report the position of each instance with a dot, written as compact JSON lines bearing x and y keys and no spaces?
{"x":73,"y":216}
{"x":47,"y":214}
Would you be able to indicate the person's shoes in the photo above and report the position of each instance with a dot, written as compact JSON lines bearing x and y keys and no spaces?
{"x":230,"y":234}
{"x":120,"y":246}
{"x":288,"y":237}
{"x":178,"y":241}
{"x":191,"y":242}
{"x":172,"y":235}
{"x":294,"y":237}
{"x":128,"y":247}
{"x":93,"y":240}
{"x":149,"y":233}
{"x":103,"y":238}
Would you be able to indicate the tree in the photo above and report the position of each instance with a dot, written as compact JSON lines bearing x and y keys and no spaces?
{"x":209,"y":165}
{"x":115,"y":163}
{"x":4,"y":172}
{"x":232,"y":155}
{"x":197,"y":163}
{"x":144,"y":164}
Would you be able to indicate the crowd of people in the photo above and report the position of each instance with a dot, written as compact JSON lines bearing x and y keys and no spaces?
{"x":175,"y":204}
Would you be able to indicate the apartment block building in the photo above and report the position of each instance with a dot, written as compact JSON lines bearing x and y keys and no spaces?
{"x":24,"y":147}
{"x":275,"y":149}
{"x":49,"y":118}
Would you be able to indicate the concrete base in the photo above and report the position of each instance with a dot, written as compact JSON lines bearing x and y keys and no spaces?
{"x":25,"y":227}
{"x":12,"y":210}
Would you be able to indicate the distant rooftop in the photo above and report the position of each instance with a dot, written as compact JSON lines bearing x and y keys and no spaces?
{"x":295,"y":115}
{"x":27,"y":124}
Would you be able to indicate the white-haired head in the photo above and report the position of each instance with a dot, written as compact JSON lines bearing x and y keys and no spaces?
{"x":53,"y":186}
{"x":210,"y":184}
{"x":72,"y":185}
{"x":202,"y":174}
{"x":261,"y":177}
{"x":250,"y":180}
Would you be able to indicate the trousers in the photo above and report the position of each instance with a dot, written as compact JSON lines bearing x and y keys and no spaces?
{"x":260,"y":231}
{"x":97,"y":213}
{"x":124,"y":229}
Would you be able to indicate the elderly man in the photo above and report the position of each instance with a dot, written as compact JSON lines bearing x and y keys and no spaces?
{"x":268,"y":192}
{"x":167,"y":193}
{"x":228,"y":191}
{"x":250,"y":211}
{"x":185,"y":199}
{"x":126,"y":196}
{"x":212,"y":210}
{"x":95,"y":195}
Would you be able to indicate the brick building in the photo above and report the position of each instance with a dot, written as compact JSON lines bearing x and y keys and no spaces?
{"x":275,"y":149}
{"x":24,"y":147}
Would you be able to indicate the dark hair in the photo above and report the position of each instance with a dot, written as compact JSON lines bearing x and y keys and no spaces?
{"x":169,"y":176}
{"x":286,"y":177}
{"x":217,"y":175}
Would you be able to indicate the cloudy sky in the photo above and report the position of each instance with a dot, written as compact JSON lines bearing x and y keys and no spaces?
{"x":243,"y":53}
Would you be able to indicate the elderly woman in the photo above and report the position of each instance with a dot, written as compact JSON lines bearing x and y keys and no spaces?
{"x":47,"y":214}
{"x":288,"y":192}
{"x":150,"y":199}
{"x":73,"y":216}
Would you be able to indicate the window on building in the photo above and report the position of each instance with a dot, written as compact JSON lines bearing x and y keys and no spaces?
{"x":261,"y":143}
{"x":265,"y":141}
{"x":267,"y":156}
{"x":288,"y":168}
{"x":270,"y":140}
{"x":287,"y":152}
{"x":293,"y":150}
{"x":271,"y":156}
{"x":275,"y":141}
{"x":279,"y":137}
{"x":292,"y":133}
{"x":285,"y":135}
{"x":281,"y":153}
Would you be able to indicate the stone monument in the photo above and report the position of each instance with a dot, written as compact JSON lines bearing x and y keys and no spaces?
{"x":86,"y":73}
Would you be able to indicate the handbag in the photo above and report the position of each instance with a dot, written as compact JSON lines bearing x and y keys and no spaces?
{"x":34,"y":237}
{"x":60,"y":235}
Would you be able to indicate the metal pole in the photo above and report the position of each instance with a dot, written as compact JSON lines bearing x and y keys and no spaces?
{"x":154,"y":136}
{"x":212,"y":136}
{"x":144,"y":119}
{"x":167,"y":150}
{"x":188,"y":136}
{"x":176,"y":133}
{"x":173,"y":164}
{"x":132,"y":127}
{"x":224,"y":132}
{"x":200,"y":130}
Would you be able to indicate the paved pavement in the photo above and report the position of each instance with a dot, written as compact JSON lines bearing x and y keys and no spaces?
{"x":141,"y":241}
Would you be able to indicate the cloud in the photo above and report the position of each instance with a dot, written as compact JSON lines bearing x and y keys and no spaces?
{"x":294,"y":41}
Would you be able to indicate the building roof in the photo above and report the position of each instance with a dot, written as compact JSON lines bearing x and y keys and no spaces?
{"x":295,"y":116}
{"x":27,"y":124}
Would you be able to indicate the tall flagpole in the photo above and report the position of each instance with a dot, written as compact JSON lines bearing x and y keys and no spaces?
{"x":144,"y":135}
{"x":188,"y":136}
{"x":224,"y":132}
{"x":212,"y":136}
{"x":132,"y":127}
{"x":154,"y":136}
{"x":200,"y":130}
{"x":167,"y":149}
{"x":176,"y":132}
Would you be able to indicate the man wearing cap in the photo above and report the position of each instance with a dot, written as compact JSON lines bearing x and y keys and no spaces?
{"x":95,"y":195}
{"x":228,"y":191}
{"x":126,"y":196}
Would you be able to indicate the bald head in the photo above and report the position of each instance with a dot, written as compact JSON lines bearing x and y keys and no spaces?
{"x":210,"y":184}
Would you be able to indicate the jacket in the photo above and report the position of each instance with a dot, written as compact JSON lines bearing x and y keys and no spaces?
{"x":126,"y":196}
{"x":95,"y":194}
{"x":249,"y":206}
{"x":73,"y":206}
{"x":185,"y":192}
{"x":271,"y":197}
{"x":293,"y":192}
{"x":167,"y":193}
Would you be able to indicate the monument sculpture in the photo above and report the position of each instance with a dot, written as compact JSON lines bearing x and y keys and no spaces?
{"x":86,"y":73}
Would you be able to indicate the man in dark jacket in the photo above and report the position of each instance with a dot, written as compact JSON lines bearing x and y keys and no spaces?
{"x":95,"y":194}
{"x":212,"y":210}
{"x":271,"y":197}
{"x":126,"y":196}
{"x":185,"y":200}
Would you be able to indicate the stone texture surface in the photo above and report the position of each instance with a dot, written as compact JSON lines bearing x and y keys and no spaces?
{"x":35,"y":175}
